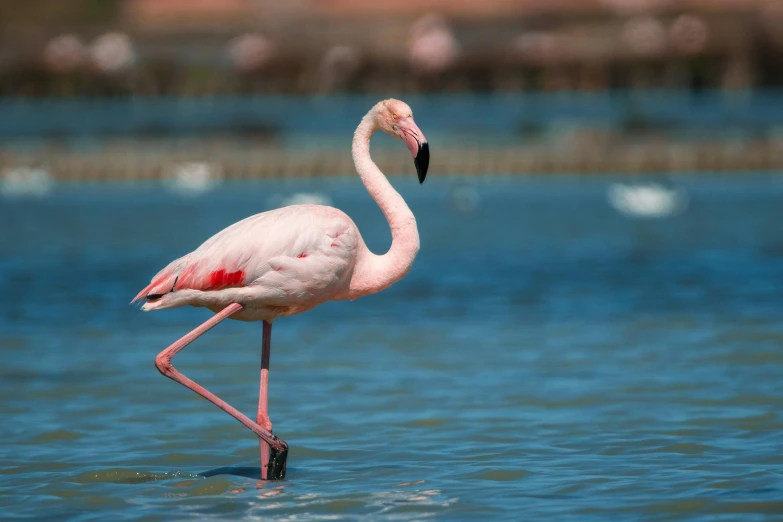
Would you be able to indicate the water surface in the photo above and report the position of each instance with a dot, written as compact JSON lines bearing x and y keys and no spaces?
{"x":546,"y":357}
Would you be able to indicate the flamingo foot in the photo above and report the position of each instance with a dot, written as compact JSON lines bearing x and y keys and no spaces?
{"x":275,"y":470}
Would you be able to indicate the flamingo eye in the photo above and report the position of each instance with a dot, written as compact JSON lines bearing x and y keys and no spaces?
{"x":394,"y":116}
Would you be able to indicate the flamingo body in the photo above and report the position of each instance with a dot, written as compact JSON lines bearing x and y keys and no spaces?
{"x":276,"y":263}
{"x":289,"y":260}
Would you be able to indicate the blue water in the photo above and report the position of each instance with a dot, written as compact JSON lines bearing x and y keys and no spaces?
{"x":500,"y":116}
{"x":546,"y":357}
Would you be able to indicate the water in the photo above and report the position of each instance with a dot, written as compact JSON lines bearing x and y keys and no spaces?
{"x":546,"y":357}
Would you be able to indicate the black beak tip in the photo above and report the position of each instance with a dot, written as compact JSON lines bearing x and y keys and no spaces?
{"x":422,"y":161}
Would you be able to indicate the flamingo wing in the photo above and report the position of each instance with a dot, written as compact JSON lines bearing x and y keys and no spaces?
{"x":300,"y":249}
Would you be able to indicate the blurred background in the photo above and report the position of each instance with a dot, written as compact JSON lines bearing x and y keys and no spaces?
{"x":592,"y":329}
{"x":121,"y":89}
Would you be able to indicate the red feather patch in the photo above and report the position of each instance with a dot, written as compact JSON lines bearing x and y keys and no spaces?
{"x":223,"y":279}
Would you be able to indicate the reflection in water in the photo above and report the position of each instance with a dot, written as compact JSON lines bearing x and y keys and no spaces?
{"x":238,"y":471}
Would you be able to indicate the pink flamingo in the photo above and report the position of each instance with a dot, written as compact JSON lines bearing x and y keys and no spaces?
{"x":289,"y":260}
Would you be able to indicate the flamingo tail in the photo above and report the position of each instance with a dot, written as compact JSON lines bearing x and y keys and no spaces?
{"x":160,"y":285}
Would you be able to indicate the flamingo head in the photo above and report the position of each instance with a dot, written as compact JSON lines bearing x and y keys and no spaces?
{"x":395,"y":118}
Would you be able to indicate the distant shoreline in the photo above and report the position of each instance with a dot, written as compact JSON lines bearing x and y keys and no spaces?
{"x":274,"y":137}
{"x":236,"y":162}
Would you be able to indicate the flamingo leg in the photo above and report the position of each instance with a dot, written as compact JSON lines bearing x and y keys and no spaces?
{"x":263,"y":403}
{"x":278,"y":448}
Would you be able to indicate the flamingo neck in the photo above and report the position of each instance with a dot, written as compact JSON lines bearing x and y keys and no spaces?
{"x":372,"y":272}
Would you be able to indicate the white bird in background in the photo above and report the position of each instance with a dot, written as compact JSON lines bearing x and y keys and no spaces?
{"x":193,"y":178}
{"x":26,"y":182}
{"x":432,"y":47}
{"x":647,"y":200}
{"x":300,"y":198}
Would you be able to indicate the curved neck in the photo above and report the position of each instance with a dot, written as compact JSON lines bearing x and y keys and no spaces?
{"x":373,"y":273}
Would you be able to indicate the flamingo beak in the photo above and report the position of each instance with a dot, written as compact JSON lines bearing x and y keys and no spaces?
{"x":417,"y":144}
{"x":422,"y":161}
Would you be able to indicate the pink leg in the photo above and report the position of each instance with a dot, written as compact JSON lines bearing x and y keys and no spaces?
{"x":279,"y":448}
{"x":263,"y":403}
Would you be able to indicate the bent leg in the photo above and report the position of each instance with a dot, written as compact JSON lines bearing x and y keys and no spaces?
{"x":279,"y":448}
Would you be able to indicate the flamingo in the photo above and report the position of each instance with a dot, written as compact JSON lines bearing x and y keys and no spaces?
{"x":289,"y":260}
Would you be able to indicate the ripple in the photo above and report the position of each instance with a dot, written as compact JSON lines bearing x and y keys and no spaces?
{"x":57,"y":436}
{"x":686,"y":449}
{"x":127,"y":476}
{"x":585,"y":367}
{"x":503,"y":475}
